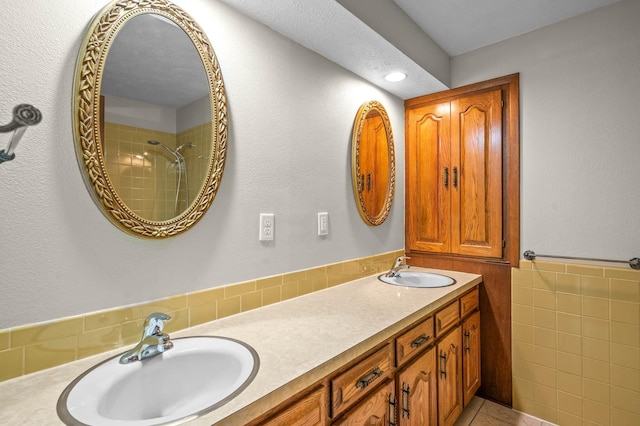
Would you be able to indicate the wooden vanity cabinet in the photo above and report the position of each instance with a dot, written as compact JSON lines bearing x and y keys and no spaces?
{"x":423,"y":376}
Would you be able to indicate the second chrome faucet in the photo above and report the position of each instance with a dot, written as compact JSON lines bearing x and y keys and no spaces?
{"x":153,"y":341}
{"x":401,"y":263}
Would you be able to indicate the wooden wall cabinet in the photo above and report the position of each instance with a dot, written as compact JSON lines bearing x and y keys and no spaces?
{"x":454,"y":175}
{"x":462,"y":202}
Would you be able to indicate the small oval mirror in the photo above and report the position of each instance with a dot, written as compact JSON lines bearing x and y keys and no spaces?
{"x":373,"y":163}
{"x":150,"y":117}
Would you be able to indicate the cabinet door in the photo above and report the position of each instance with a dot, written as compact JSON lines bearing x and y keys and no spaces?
{"x":471,"y":356}
{"x":428,"y":178}
{"x":449,"y":378}
{"x":417,"y":392}
{"x":476,"y":156}
{"x":377,"y":409}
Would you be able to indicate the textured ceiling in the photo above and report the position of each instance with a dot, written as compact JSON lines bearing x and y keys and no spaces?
{"x":369,"y":38}
{"x":460,"y":26}
{"x":336,"y":29}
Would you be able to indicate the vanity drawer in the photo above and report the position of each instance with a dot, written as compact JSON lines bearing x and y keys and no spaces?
{"x":413,"y":340}
{"x":446,"y":318}
{"x":469,"y":302}
{"x":349,"y":386}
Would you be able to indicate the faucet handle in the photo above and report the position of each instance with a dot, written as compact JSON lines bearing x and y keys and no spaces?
{"x":154,"y":323}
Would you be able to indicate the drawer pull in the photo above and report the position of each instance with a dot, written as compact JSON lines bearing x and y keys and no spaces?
{"x":422,"y":339}
{"x":366,"y":380}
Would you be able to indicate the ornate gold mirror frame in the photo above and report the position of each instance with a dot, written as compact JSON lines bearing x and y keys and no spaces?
{"x":373,"y":165}
{"x":87,"y":111}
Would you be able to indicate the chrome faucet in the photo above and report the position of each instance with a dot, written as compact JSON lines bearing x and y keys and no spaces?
{"x":152,"y":342}
{"x":401,"y":263}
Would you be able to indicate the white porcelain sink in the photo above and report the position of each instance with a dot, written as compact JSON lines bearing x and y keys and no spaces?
{"x":418,"y":279}
{"x":197,"y":376}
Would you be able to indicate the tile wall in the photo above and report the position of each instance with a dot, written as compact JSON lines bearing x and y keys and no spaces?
{"x":146,"y":176}
{"x":576,"y":343}
{"x":35,"y":347}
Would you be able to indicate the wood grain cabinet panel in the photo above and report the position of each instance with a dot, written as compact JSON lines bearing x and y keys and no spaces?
{"x":308,"y":411}
{"x":471,"y":356}
{"x":469,"y":302}
{"x":377,"y":409}
{"x":447,"y":317}
{"x":428,"y":178}
{"x":348,"y":387}
{"x":414,"y":340}
{"x":449,"y":364}
{"x":417,"y":391}
{"x":454,"y":176}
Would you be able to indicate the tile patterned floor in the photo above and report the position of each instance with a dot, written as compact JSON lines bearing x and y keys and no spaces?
{"x":481,"y":412}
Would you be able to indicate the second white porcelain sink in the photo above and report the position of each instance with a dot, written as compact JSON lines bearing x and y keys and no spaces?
{"x":197,"y":376}
{"x":418,"y":279}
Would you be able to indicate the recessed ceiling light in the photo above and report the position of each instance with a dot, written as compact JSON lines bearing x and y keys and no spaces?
{"x":395,"y":76}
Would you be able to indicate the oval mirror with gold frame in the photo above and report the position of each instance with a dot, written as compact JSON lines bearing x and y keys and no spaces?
{"x":373,"y":165}
{"x":150,"y":117}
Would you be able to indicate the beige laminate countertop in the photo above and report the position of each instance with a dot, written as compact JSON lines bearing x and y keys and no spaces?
{"x":299,"y":342}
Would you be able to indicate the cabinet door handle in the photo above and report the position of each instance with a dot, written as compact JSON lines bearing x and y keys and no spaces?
{"x":443,"y":364}
{"x":366,"y":380}
{"x":455,"y":177}
{"x":446,"y":177}
{"x":392,"y":411}
{"x":406,"y":400}
{"x":422,"y":339}
{"x":467,"y":341}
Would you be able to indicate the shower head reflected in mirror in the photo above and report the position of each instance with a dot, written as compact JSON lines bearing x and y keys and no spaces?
{"x":182,"y":169}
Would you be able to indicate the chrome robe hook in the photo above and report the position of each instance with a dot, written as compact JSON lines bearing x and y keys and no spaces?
{"x":24,"y":115}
